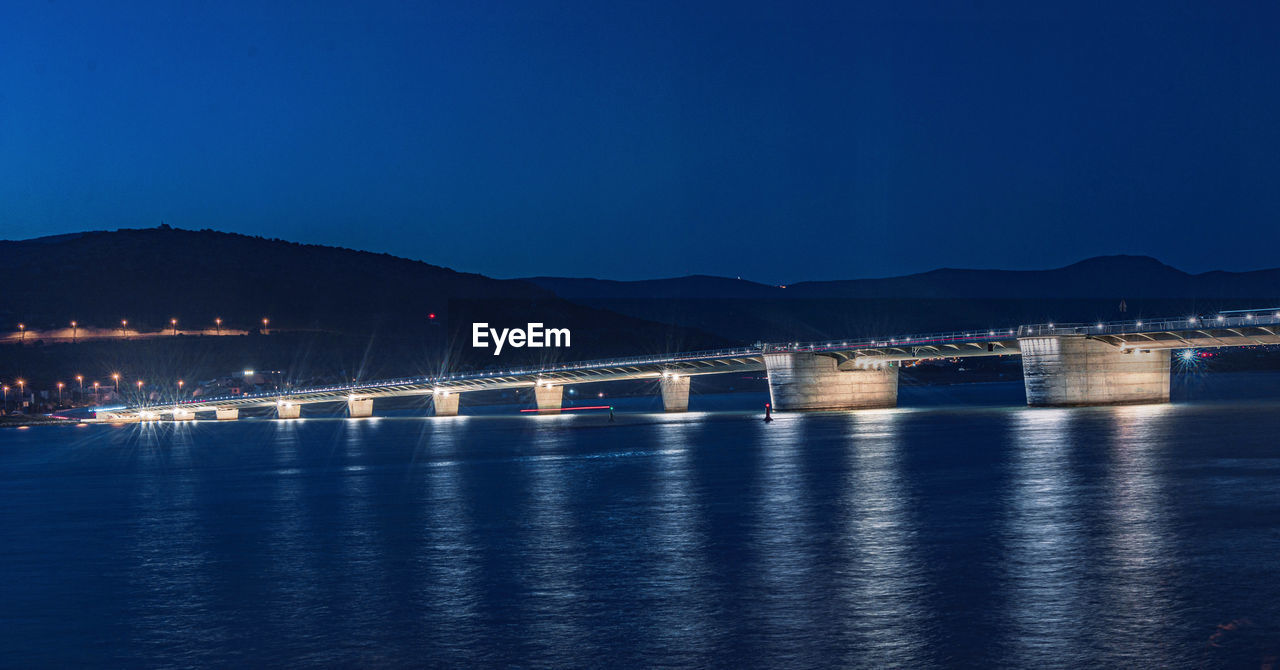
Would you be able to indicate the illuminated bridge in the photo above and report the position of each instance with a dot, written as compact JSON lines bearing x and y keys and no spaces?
{"x":1108,"y":363}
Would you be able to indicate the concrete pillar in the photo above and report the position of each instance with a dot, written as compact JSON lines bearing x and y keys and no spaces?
{"x":288,"y":410}
{"x":227,"y":413}
{"x":359,"y":407}
{"x":802,"y":381}
{"x":549,"y":398}
{"x":1077,"y":370}
{"x":183,"y":414}
{"x":446,"y":403}
{"x":675,"y":392}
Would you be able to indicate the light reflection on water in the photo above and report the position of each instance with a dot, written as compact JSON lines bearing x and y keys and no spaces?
{"x":679,"y":540}
{"x":1044,"y":573}
{"x":885,"y":578}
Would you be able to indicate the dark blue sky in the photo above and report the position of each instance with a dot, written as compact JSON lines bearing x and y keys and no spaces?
{"x":642,"y":139}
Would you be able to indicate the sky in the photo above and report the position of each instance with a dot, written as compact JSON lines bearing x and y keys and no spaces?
{"x":779,"y":142}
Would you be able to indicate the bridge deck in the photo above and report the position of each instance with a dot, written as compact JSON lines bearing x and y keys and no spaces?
{"x":1240,"y":329}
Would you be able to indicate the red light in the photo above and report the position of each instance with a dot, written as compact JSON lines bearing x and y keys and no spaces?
{"x":431,"y":315}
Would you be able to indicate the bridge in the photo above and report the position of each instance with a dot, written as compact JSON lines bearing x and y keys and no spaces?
{"x":1108,"y":363}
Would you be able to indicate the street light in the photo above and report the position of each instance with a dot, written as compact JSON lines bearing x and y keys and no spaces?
{"x":180,"y":385}
{"x":74,"y":326}
{"x":264,"y":325}
{"x":22,"y":391}
{"x":60,"y":385}
{"x":124,"y":323}
{"x":22,"y":332}
{"x":218,"y":322}
{"x":116,"y":377}
{"x":6,"y":399}
{"x":95,"y":392}
{"x":80,"y":381}
{"x":174,"y":324}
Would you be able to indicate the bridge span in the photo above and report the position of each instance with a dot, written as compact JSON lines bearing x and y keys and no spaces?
{"x":1118,"y":362}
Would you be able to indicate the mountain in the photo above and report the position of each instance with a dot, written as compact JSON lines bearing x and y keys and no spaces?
{"x":332,"y":311}
{"x":1103,"y":288}
{"x":1104,"y":276}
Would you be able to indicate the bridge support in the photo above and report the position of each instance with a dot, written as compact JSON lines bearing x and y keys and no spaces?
{"x":359,"y":407}
{"x":549,"y":398}
{"x":182,"y":414}
{"x":227,"y":413}
{"x":675,"y":392}
{"x":802,"y":381}
{"x":445,"y":403}
{"x":288,"y":410}
{"x":1069,"y":370}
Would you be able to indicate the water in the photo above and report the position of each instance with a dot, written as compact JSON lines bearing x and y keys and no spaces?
{"x":970,"y":535}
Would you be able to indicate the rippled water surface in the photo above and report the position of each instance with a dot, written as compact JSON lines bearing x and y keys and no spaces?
{"x":947,"y":534}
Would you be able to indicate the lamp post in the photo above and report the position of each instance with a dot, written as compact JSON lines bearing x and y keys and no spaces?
{"x":218,"y":324}
{"x":22,"y":332}
{"x":80,"y":381}
{"x":174,"y":323}
{"x":6,"y":399}
{"x":60,"y":385}
{"x":264,"y":326}
{"x":140,"y":388}
{"x":74,"y":328}
{"x":95,"y":393}
{"x":116,"y":377}
{"x":180,"y":385}
{"x":124,"y":323}
{"x":22,"y":391}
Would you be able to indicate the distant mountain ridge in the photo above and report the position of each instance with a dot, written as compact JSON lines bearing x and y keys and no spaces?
{"x":1102,"y":276}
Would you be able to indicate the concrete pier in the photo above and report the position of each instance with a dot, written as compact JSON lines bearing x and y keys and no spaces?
{"x":359,"y":407}
{"x":675,"y":392}
{"x":1069,"y":370}
{"x":227,"y":413}
{"x":180,"y":414}
{"x":445,"y":403}
{"x":288,"y":410}
{"x":549,"y":398}
{"x":804,"y":381}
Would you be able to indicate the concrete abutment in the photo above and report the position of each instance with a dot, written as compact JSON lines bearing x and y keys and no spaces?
{"x":358,"y":408}
{"x":804,"y":381}
{"x":445,"y":403}
{"x":1066,"y":370}
{"x":675,"y":392}
{"x":550,"y":398}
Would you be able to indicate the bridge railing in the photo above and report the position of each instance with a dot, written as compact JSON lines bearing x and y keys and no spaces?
{"x":1193,"y":322}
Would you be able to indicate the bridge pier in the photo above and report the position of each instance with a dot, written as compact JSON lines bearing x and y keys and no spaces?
{"x":227,"y":413}
{"x":803,"y":381}
{"x":182,"y":414}
{"x":1064,"y":370}
{"x":549,"y":398}
{"x":445,"y":403}
{"x":288,"y":410}
{"x":358,"y":408}
{"x":675,"y":392}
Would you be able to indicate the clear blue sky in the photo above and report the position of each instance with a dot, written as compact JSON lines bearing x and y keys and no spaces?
{"x":777,"y":141}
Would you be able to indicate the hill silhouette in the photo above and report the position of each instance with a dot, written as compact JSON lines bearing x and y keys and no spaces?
{"x":333,"y":312}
